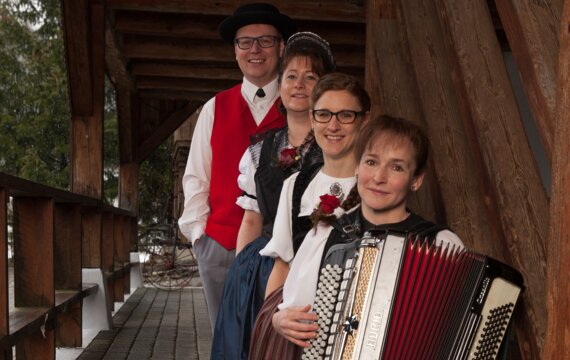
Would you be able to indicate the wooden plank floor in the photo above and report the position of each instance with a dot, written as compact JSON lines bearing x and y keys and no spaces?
{"x":156,"y":324}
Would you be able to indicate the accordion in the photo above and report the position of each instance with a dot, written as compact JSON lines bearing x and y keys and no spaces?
{"x":393,"y":297}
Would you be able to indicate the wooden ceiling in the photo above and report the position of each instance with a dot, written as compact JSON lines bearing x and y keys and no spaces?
{"x":165,"y":57}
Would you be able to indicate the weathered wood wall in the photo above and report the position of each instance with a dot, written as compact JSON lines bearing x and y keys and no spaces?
{"x":440,"y":64}
{"x":557,"y":345}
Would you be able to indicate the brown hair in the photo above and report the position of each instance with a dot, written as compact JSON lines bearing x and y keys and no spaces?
{"x":398,"y":128}
{"x":340,"y":81}
{"x":311,"y":46}
{"x":383,"y":124}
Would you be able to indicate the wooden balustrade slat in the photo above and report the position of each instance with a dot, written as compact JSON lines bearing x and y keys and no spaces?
{"x":3,"y":264}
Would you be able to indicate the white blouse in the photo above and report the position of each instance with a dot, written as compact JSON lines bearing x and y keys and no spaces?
{"x":281,"y":244}
{"x":246,"y":182}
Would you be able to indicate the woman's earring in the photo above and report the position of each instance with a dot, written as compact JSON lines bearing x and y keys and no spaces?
{"x":413,"y":187}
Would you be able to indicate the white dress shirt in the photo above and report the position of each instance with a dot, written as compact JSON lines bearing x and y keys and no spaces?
{"x":196,"y":179}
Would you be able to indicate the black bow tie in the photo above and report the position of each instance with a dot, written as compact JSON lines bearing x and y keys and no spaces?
{"x":260,"y":93}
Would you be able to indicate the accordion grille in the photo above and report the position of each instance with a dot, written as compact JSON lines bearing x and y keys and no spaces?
{"x":360,"y":285}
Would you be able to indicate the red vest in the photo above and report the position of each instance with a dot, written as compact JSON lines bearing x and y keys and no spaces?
{"x":233,"y":127}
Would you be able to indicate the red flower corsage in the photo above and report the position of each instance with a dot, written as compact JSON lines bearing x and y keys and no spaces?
{"x":328,"y":203}
{"x":288,"y":157}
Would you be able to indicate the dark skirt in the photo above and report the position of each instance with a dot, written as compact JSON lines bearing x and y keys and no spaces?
{"x":268,"y":344}
{"x":244,"y":291}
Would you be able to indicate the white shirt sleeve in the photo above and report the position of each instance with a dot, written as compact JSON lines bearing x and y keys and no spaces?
{"x":448,"y":238}
{"x":246,"y":182}
{"x":196,"y":179}
{"x":281,"y":244}
{"x":301,"y":284}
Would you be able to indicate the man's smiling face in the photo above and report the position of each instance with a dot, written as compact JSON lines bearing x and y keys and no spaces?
{"x":259,"y":65}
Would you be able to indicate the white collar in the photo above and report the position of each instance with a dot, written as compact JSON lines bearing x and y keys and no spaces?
{"x":248,"y":89}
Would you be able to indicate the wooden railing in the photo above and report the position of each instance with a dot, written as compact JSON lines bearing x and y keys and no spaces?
{"x":55,"y":234}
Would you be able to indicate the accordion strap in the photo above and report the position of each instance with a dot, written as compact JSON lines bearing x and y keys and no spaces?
{"x":345,"y":226}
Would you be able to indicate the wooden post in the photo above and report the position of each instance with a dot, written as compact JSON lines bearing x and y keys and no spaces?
{"x":87,"y":127}
{"x":67,"y":258}
{"x":34,"y":269}
{"x":392,"y":86}
{"x":557,"y":345}
{"x":108,"y":249}
{"x":119,"y":224}
{"x":91,"y":253}
{"x":484,"y":89}
{"x":129,"y":186}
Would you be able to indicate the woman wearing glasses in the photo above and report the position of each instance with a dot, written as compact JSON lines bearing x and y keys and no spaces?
{"x":340,"y":106}
{"x":263,"y":168}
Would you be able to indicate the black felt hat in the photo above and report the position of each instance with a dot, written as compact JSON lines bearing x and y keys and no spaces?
{"x":257,"y":13}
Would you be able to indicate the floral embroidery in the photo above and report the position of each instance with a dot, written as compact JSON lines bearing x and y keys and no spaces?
{"x":288,"y":157}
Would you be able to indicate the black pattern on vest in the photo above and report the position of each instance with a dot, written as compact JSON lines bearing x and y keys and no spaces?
{"x":414,"y":224}
{"x":268,"y":183}
{"x":302,"y":224}
{"x":269,"y":176}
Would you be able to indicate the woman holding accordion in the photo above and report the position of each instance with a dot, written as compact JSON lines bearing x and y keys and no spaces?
{"x":391,"y":154}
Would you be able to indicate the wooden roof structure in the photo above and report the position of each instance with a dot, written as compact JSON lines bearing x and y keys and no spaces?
{"x":440,"y":63}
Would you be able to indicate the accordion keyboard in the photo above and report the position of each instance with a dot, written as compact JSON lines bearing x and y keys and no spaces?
{"x":332,"y":290}
{"x":496,"y":314}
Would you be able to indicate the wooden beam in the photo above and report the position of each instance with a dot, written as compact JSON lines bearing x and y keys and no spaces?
{"x":197,"y":85}
{"x":460,"y":169}
{"x":206,"y":26}
{"x":483,"y":86}
{"x":168,"y":24}
{"x":126,"y":105}
{"x":115,"y":61}
{"x":391,"y":85}
{"x":215,"y":51}
{"x":78,"y":52}
{"x":165,"y":130}
{"x":153,"y":47}
{"x":201,"y":97}
{"x":330,"y":10}
{"x":186,"y":71}
{"x":557,"y":345}
{"x":230,"y":71}
{"x":532,"y":29}
{"x":336,"y":33}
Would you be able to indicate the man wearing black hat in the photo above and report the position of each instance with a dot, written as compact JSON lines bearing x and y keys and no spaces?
{"x":211,"y":218}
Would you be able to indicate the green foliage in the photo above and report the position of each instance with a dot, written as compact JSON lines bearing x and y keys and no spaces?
{"x":110,"y":147}
{"x":35,"y":115}
{"x":156,"y":185}
{"x":34,"y":106}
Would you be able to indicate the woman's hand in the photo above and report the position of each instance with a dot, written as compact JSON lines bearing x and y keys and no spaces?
{"x":296,"y":324}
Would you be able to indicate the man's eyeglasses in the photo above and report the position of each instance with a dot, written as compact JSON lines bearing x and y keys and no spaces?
{"x":265,"y":41}
{"x":343,"y":116}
